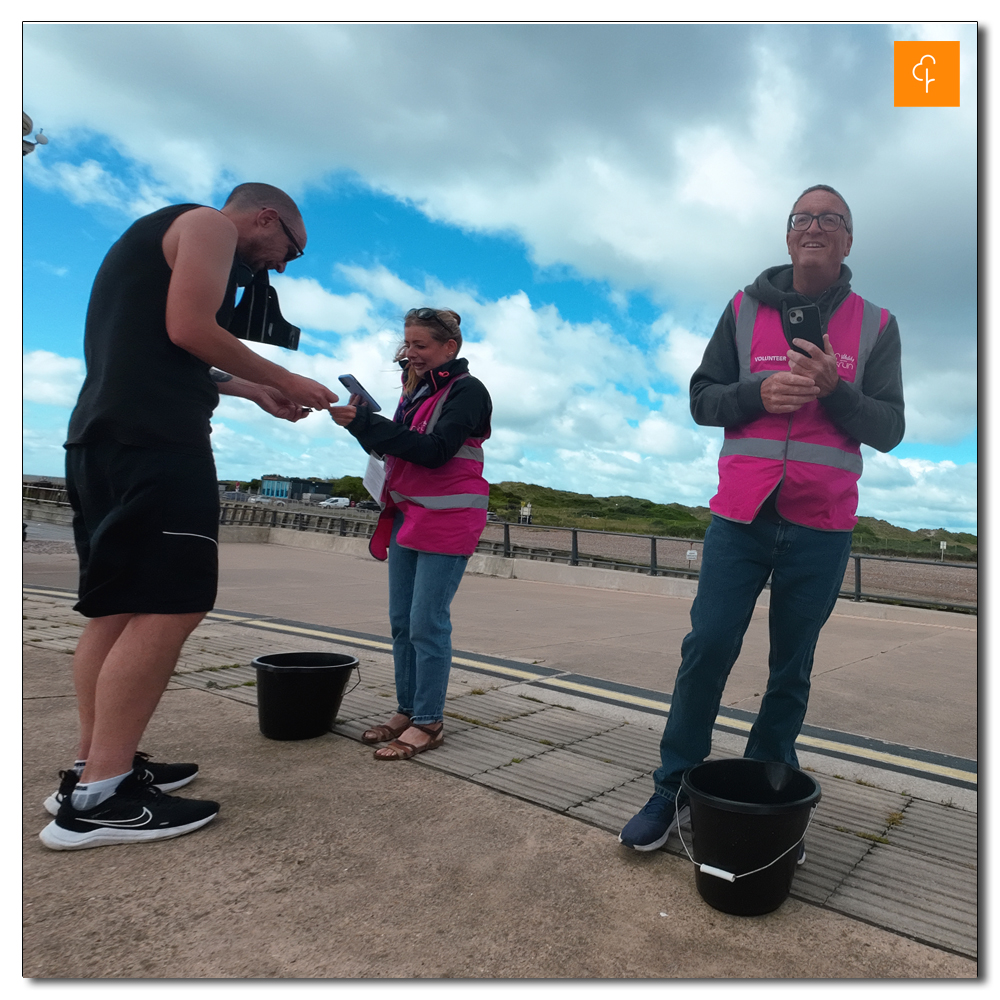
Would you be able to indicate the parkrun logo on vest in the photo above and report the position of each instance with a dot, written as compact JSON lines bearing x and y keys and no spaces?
{"x":846,"y":361}
{"x":926,"y":75}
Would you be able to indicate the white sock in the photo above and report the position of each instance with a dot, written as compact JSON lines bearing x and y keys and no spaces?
{"x":79,"y":766}
{"x":93,"y":793}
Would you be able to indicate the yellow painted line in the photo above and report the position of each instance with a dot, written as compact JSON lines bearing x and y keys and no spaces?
{"x":879,"y":756}
{"x":890,"y":758}
{"x":628,"y":699}
{"x":508,"y":671}
{"x":329,"y":636}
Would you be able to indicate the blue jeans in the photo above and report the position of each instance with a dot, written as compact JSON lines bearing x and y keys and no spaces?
{"x":806,"y":567}
{"x":421,"y":588}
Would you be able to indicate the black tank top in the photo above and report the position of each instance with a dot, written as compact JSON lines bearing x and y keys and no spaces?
{"x":142,"y":389}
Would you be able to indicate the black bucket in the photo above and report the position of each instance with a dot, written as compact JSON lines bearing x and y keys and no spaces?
{"x":747,"y":820}
{"x":298,"y":694}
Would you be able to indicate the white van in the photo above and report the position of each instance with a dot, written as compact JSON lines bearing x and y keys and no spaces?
{"x":336,"y":502}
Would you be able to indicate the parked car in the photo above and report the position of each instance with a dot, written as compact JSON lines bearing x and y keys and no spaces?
{"x":490,"y":516}
{"x":368,"y":505}
{"x":336,"y":502}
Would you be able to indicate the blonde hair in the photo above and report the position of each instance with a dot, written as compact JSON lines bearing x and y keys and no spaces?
{"x":444,"y":325}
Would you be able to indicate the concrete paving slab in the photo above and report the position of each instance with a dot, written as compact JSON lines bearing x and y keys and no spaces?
{"x":558,"y":726}
{"x":558,"y":779}
{"x":928,"y":899}
{"x":831,"y":856}
{"x":612,"y":809}
{"x":476,"y":750}
{"x":490,"y":707}
{"x":942,"y":832}
{"x":633,"y":746}
{"x":861,"y":810}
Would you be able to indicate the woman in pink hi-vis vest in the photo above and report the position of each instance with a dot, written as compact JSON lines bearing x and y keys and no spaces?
{"x":434,"y":500}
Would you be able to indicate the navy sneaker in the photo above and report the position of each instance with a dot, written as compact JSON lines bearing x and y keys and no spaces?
{"x":165,"y":777}
{"x":137,"y":812}
{"x":652,"y":825}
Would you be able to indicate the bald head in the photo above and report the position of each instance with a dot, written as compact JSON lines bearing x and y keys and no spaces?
{"x":254,"y":196}
{"x":270,"y":230}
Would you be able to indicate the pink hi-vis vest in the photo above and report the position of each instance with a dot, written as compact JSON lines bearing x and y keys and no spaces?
{"x":817,"y":464}
{"x":444,"y":509}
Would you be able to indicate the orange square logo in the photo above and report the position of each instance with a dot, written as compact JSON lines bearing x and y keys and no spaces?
{"x":925,"y":75}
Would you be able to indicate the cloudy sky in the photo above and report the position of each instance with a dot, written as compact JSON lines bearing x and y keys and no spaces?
{"x":588,"y":197}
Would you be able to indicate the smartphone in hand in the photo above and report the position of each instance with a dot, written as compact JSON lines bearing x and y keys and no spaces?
{"x":803,"y":322}
{"x":355,"y":388}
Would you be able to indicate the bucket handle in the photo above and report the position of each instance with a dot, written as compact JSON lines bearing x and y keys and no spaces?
{"x":722,"y":873}
{"x":357,"y":666}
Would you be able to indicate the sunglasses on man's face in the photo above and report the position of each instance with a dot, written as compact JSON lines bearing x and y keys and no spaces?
{"x":295,"y":251}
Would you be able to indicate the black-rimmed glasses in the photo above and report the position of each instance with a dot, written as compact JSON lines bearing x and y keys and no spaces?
{"x":296,"y":252}
{"x":829,"y":222}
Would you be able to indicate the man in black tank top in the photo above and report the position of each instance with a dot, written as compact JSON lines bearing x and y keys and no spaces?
{"x":142,"y":483}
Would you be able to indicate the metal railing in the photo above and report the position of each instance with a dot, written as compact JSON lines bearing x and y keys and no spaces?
{"x":928,"y":583}
{"x":358,"y":523}
{"x":925,"y":583}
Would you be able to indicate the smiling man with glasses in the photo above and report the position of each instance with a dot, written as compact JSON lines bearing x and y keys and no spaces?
{"x":142,"y":482}
{"x":800,"y":372}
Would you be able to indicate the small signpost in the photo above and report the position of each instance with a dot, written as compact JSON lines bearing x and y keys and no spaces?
{"x":944,"y":545}
{"x":692,"y":556}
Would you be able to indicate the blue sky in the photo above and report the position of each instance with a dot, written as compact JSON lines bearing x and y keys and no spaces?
{"x":588,"y":197}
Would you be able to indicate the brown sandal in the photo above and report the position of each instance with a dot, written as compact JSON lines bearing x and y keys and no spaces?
{"x":381,"y":734}
{"x":400,"y":750}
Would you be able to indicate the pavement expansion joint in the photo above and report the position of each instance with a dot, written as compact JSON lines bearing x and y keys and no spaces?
{"x":884,"y":857}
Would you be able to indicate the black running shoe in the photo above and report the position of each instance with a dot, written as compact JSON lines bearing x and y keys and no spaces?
{"x":166,"y":777}
{"x":138,"y":811}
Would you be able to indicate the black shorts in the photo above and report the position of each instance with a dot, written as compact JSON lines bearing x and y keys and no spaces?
{"x":146,"y":526}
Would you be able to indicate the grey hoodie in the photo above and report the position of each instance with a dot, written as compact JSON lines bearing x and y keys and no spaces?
{"x":872,"y":413}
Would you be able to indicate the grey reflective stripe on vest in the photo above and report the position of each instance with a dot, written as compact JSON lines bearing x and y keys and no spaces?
{"x":439,"y":405}
{"x":794,"y":451}
{"x":870,"y":322}
{"x":467,"y":451}
{"x":745,"y":320}
{"x":479,"y":500}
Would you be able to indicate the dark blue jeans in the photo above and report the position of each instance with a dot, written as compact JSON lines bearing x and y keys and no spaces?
{"x":806,"y":567}
{"x":421,"y":588}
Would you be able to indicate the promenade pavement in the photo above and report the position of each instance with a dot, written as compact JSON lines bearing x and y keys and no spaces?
{"x":496,"y":856}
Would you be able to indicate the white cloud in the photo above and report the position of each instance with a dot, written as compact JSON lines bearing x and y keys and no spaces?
{"x":680,"y":352}
{"x":941,"y":407}
{"x":88,"y":183}
{"x":317,"y":309}
{"x":49,"y":378}
{"x":916,"y":493}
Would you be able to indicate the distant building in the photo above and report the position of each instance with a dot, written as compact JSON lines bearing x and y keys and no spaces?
{"x":282,"y":488}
